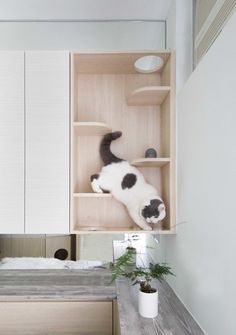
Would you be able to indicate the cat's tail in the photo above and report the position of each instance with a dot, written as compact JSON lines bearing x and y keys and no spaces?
{"x":107,"y":156}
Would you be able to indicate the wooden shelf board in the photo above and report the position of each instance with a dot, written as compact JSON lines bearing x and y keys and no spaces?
{"x":92,"y":195}
{"x":118,"y":230}
{"x":91,"y":128}
{"x":150,"y":162}
{"x":147,"y":96}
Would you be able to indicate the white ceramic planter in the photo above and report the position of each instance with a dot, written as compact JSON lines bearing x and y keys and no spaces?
{"x":148,"y":304}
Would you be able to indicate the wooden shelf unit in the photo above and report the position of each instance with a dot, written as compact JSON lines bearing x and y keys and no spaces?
{"x":108,"y":93}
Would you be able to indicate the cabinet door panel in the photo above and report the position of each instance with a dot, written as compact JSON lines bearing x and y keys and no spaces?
{"x":55,"y":317}
{"x":47,"y":142}
{"x":11,"y":142}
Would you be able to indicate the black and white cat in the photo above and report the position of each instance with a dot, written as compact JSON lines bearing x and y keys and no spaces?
{"x":127,"y":184}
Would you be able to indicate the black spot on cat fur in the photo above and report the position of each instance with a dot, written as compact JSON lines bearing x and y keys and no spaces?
{"x":152,"y":209}
{"x":128,"y":181}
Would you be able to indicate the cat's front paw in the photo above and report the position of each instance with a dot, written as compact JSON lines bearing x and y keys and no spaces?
{"x":148,"y":228}
{"x":95,"y":184}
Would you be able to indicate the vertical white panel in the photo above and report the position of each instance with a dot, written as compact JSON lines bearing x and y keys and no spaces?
{"x":47,"y":142}
{"x":11,"y":142}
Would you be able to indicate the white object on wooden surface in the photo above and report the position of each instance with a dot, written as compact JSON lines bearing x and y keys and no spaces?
{"x":11,"y":142}
{"x":47,"y":142}
{"x":149,"y":64}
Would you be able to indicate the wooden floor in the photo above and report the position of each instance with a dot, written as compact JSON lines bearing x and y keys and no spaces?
{"x":173,"y":317}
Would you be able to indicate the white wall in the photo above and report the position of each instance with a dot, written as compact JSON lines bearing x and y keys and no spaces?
{"x":82,"y":35}
{"x":84,"y":9}
{"x":180,"y":38}
{"x":51,"y":29}
{"x":202,"y":254}
{"x":96,"y":247}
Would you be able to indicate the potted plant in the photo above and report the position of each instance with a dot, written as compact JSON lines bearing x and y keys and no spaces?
{"x":148,"y":296}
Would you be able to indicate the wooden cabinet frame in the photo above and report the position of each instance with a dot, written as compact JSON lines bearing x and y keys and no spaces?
{"x":107,"y":93}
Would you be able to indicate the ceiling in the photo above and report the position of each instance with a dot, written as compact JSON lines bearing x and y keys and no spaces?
{"x":84,"y":9}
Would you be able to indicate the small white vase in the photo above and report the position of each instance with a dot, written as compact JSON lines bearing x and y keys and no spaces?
{"x":148,"y":304}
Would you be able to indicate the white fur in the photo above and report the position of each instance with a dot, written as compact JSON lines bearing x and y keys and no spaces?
{"x":134,"y":198}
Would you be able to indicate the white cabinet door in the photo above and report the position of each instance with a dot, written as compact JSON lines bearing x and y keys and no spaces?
{"x":11,"y":142}
{"x":47,"y":142}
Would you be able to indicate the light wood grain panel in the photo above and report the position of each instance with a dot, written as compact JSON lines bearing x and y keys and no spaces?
{"x":166,"y":72}
{"x":47,"y":142}
{"x":28,"y":246}
{"x":173,"y":137}
{"x":92,"y":195}
{"x":91,"y":128}
{"x":66,"y":318}
{"x":112,"y":62}
{"x":73,"y":161}
{"x":88,"y":162}
{"x":5,"y":246}
{"x":166,"y":193}
{"x":102,"y":98}
{"x":53,"y":243}
{"x":102,"y":214}
{"x":165,"y":126}
{"x":11,"y":142}
{"x":116,"y":319}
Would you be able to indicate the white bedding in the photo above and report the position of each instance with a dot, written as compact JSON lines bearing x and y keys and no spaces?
{"x":46,"y":263}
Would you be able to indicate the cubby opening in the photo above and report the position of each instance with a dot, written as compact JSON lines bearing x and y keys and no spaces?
{"x":108,"y":94}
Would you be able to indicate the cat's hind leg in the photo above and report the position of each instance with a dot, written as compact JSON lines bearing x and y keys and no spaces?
{"x":95,"y":183}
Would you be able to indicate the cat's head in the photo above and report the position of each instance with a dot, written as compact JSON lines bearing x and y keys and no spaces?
{"x":153,"y":210}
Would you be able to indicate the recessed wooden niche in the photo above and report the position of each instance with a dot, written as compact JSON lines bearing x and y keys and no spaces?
{"x":109,"y":94}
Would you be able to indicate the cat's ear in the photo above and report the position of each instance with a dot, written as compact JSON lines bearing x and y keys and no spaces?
{"x":155,"y":203}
